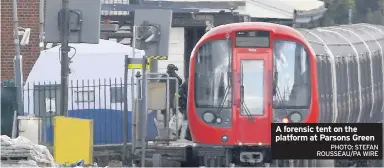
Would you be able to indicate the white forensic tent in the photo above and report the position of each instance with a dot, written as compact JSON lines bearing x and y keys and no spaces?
{"x":91,"y":62}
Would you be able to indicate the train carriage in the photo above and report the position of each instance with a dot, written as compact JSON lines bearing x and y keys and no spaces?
{"x":244,"y":76}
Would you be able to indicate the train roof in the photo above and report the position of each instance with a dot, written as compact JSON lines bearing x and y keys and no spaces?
{"x":275,"y":28}
{"x":345,"y":40}
{"x":363,"y":37}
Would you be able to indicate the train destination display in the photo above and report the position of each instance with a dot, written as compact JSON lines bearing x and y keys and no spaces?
{"x":253,"y":39}
{"x":327,"y":141}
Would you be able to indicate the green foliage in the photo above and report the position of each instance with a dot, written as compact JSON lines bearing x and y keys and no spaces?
{"x":337,"y":12}
{"x":368,"y":11}
{"x":349,"y":3}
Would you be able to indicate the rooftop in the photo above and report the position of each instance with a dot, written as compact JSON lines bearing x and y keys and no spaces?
{"x":285,"y":9}
{"x":298,"y":10}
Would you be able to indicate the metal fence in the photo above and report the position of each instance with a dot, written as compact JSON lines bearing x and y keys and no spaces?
{"x":8,"y":106}
{"x":100,"y":100}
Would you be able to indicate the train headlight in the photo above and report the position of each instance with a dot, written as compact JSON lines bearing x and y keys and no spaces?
{"x":224,"y":138}
{"x":208,"y":117}
{"x":218,"y":120}
{"x":285,"y":120}
{"x":295,"y":117}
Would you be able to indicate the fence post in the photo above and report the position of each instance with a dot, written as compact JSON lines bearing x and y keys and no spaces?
{"x":144,"y":111}
{"x":125,"y":115}
{"x":14,"y":125}
{"x":135,"y":130}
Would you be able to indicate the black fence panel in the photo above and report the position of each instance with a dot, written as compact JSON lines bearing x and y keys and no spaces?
{"x":100,"y":100}
{"x":8,"y":106}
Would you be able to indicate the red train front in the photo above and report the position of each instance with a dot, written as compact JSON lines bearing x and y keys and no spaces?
{"x":243,"y":76}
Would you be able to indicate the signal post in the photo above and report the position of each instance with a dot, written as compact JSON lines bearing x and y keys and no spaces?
{"x":71,"y":21}
{"x":150,"y":34}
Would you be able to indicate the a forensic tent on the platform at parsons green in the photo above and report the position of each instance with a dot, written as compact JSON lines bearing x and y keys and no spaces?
{"x":95,"y":89}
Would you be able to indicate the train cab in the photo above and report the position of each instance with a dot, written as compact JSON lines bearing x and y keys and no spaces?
{"x":243,"y":77}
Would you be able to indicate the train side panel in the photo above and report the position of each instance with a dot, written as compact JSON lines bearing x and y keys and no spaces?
{"x":350,"y":72}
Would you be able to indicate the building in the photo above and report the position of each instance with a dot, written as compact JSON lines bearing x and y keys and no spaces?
{"x":189,"y":22}
{"x":190,"y":16}
{"x":28,"y":13}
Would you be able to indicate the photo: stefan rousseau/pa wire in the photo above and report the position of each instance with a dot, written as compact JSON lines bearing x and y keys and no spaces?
{"x":344,"y":141}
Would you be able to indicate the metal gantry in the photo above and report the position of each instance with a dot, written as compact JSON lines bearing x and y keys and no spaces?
{"x":150,"y":96}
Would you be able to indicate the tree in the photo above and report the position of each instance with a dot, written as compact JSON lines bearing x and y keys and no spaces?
{"x":370,"y":11}
{"x":337,"y":11}
{"x":349,"y":3}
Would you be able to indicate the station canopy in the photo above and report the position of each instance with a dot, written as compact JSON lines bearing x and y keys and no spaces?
{"x":301,"y":11}
{"x":345,"y":40}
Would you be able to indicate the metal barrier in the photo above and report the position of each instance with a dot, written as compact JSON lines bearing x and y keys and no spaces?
{"x":141,"y":111}
{"x":156,"y":94}
{"x":156,"y":102}
{"x":100,"y":100}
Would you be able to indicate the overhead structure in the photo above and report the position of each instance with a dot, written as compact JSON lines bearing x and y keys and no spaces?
{"x":84,"y":17}
{"x":294,"y":10}
{"x":153,"y":28}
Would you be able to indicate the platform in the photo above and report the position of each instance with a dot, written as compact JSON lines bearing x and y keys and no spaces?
{"x":175,"y":151}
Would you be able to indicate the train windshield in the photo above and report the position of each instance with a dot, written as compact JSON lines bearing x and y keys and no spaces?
{"x":212,"y":74}
{"x":292,"y":75}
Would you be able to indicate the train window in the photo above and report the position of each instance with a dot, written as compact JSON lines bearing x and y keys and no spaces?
{"x":252,"y":77}
{"x":291,"y":60}
{"x":212,"y":82}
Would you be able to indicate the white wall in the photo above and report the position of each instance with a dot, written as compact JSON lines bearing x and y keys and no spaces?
{"x":176,"y":51}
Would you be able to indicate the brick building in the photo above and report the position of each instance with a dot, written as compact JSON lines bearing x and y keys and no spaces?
{"x":28,"y":13}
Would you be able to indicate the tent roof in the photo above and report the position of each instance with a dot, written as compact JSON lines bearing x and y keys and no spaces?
{"x":91,"y":61}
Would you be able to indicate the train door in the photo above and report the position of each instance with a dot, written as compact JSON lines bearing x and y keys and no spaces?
{"x":253,"y":118}
{"x":191,"y":36}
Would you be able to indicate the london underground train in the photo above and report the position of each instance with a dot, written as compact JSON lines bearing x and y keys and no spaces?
{"x":244,"y":76}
